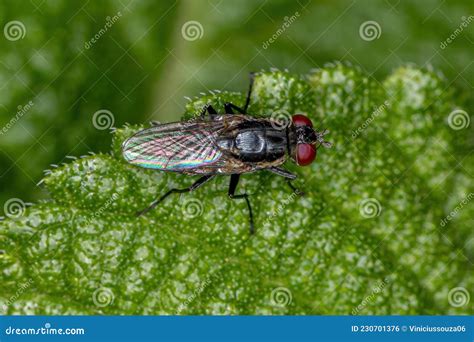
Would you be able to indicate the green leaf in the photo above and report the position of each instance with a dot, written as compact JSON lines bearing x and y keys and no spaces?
{"x":365,"y":239}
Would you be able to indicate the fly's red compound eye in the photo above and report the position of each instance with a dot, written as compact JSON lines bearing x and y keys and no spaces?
{"x":301,"y":120}
{"x":305,"y":154}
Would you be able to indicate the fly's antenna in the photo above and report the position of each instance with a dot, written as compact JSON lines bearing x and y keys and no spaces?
{"x":320,"y":139}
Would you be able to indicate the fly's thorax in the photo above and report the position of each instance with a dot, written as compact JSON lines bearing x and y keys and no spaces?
{"x":292,"y":142}
{"x":255,"y":141}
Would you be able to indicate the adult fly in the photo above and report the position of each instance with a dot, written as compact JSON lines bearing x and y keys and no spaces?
{"x":224,"y":144}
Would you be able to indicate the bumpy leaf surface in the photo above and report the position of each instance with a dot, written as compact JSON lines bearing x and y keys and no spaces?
{"x":364,"y":239}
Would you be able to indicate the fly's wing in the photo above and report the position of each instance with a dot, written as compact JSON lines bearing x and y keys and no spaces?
{"x":179,"y":146}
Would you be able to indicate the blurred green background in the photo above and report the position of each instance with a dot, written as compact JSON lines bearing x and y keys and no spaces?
{"x":144,"y":62}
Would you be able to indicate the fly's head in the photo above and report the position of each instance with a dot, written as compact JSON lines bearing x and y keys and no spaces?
{"x":307,"y":140}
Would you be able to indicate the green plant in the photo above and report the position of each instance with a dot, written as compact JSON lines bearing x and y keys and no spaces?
{"x":365,"y":239}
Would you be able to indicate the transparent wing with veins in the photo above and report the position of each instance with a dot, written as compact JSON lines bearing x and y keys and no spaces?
{"x":178,"y":146}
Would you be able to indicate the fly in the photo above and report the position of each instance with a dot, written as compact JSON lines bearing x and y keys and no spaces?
{"x":224,"y":144}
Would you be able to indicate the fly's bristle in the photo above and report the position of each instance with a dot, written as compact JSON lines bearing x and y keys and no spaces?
{"x":40,"y":182}
{"x":71,"y":157}
{"x":54,"y":166}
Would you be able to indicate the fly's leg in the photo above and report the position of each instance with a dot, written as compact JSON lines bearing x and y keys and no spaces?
{"x":229,"y":108}
{"x":289,"y":177}
{"x":197,"y":184}
{"x":234,"y":180}
{"x":294,"y":189}
{"x":209,"y":109}
{"x":247,"y":101}
{"x":282,"y":172}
